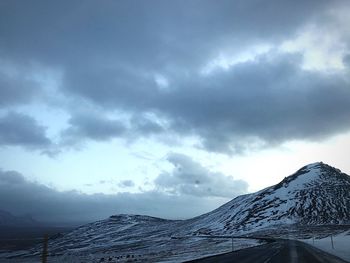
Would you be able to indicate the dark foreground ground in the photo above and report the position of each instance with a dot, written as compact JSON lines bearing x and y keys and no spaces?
{"x":286,"y":251}
{"x":17,"y":238}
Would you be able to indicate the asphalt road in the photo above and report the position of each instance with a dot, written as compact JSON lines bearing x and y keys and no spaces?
{"x":281,"y":251}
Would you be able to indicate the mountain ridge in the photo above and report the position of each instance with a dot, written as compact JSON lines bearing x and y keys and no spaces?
{"x":8,"y":219}
{"x":315,"y":195}
{"x":298,"y":199}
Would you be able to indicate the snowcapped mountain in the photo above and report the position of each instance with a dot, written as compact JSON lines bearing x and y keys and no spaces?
{"x":315,"y":195}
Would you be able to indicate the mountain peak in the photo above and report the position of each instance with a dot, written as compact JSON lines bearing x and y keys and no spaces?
{"x":317,"y":171}
{"x":316,"y":194}
{"x":320,"y":166}
{"x":315,"y":165}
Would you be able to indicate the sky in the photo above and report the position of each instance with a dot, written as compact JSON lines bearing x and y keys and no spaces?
{"x":166,"y":108}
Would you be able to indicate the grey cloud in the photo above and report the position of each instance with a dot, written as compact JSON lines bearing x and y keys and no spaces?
{"x":145,"y":126}
{"x":100,"y":127}
{"x":109,"y":53}
{"x":92,"y":126}
{"x":111,"y":86}
{"x":20,"y":196}
{"x":346,"y":60}
{"x":126,"y":183}
{"x":17,"y":129}
{"x":272,"y":100}
{"x":14,"y":90}
{"x":257,"y":103}
{"x":11,"y":177}
{"x":190,"y":178}
{"x":141,"y":34}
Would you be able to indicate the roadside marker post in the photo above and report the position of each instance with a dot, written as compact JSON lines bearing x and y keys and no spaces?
{"x":44,"y":254}
{"x":332,"y":241}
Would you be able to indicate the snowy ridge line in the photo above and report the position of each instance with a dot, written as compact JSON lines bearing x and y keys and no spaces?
{"x":315,"y":199}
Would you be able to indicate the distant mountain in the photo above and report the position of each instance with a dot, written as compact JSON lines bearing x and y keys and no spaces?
{"x":316,"y":195}
{"x":7,"y":219}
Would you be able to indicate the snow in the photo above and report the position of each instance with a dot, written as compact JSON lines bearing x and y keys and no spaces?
{"x":315,"y":196}
{"x":172,"y":251}
{"x":341,"y":245}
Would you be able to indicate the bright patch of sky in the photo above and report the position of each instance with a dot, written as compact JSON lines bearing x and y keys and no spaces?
{"x":323,"y":45}
{"x":226,"y":59}
{"x":100,"y":167}
{"x":320,"y":51}
{"x":161,"y":81}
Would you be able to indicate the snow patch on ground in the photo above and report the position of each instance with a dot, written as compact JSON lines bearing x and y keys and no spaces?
{"x":188,"y":249}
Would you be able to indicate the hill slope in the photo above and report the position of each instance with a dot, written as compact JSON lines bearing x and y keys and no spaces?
{"x":316,"y":195}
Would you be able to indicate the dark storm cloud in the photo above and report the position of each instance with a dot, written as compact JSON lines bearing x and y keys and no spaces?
{"x":14,"y":90}
{"x":92,"y":126}
{"x":144,"y":125}
{"x":17,"y":129}
{"x":98,"y":127}
{"x":266,"y":101}
{"x":189,"y":177}
{"x":110,"y":53}
{"x":270,"y":99}
{"x":136,"y":34}
{"x":20,"y":196}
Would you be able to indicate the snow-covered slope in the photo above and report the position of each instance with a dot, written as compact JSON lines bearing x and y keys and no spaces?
{"x":127,"y":238}
{"x":127,"y":230}
{"x":317,"y":194}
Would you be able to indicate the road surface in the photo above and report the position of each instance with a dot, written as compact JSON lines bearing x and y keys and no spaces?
{"x":286,"y":251}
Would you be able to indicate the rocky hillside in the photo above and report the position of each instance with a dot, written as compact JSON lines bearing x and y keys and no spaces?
{"x":317,"y":194}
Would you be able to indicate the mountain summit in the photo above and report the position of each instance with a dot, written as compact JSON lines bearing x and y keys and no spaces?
{"x":315,"y":194}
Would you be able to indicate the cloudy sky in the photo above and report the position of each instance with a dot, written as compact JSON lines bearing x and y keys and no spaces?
{"x":166,"y":108}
